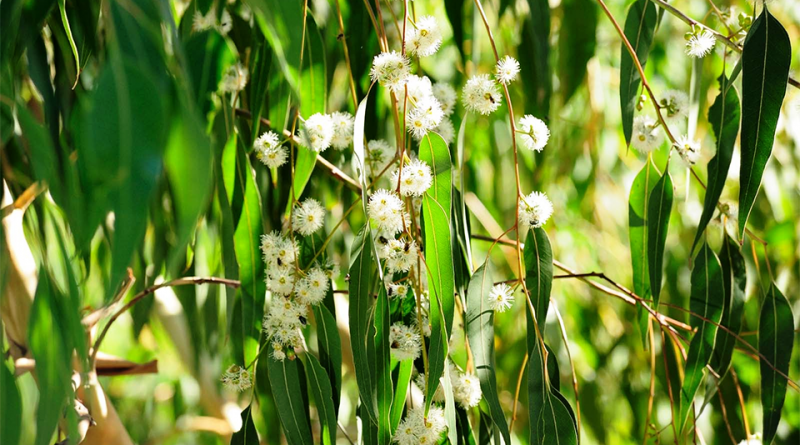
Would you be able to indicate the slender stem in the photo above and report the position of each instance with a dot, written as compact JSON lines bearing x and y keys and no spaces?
{"x":516,"y":392}
{"x":571,"y":363}
{"x":350,"y":78}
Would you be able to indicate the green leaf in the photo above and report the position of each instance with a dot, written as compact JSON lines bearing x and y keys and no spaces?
{"x":658,"y":210}
{"x":449,"y":403}
{"x":707,"y":300}
{"x":775,"y":341}
{"x":10,"y":400}
{"x":734,"y":281}
{"x":261,"y":64}
{"x":549,"y":418}
{"x":640,"y":26}
{"x":534,"y":52}
{"x":53,"y":355}
{"x":641,"y":190}
{"x":436,"y":205}
{"x":304,"y":166}
{"x":480,"y":333}
{"x":207,"y":57}
{"x":455,"y":14}
{"x":539,"y":271}
{"x":466,"y":436}
{"x":65,"y":22}
{"x":724,"y":117}
{"x":323,"y":396}
{"x":246,"y":206}
{"x":123,"y":136}
{"x":400,"y":391}
{"x":284,"y":379}
{"x":313,"y":78}
{"x":766,"y":57}
{"x":281,"y":21}
{"x":576,"y":43}
{"x":382,"y":363}
{"x":330,"y":348}
{"x":247,"y":435}
{"x":362,"y":279}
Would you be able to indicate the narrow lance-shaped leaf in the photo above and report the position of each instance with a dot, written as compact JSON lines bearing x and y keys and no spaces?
{"x":449,"y":402}
{"x":10,"y":400}
{"x":400,"y":391}
{"x":382,"y":363}
{"x":734,"y":280}
{"x":576,"y":43}
{"x":286,"y":384}
{"x":766,"y":57}
{"x":775,"y":341}
{"x":321,"y":389}
{"x":706,"y":300}
{"x":438,"y":255}
{"x":549,"y":418}
{"x":641,"y":190}
{"x":480,"y":333}
{"x":539,"y":271}
{"x":247,"y":435}
{"x":330,"y":348}
{"x":640,"y":25}
{"x":724,"y":119}
{"x":362,"y":275}
{"x":658,"y":210}
{"x":536,"y":63}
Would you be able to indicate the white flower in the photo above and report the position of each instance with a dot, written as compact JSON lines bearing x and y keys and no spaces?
{"x":406,"y":434}
{"x":202,"y":22}
{"x":281,"y":280}
{"x":432,"y":427}
{"x":282,"y":324}
{"x":534,"y":132}
{"x":397,"y":290}
{"x":312,"y":288}
{"x":424,"y":40}
{"x":481,"y":95}
{"x":342,"y":129}
{"x":234,"y":79}
{"x":269,"y":151}
{"x":688,"y":149}
{"x":400,"y":256}
{"x":317,"y":132}
{"x":387,"y":211}
{"x":379,"y":154}
{"x":415,"y":178}
{"x":390,"y":70}
{"x":754,"y":439}
{"x":700,"y":44}
{"x":535,"y":209}
{"x":418,"y":88}
{"x":501,"y":297}
{"x":506,"y":70}
{"x":646,"y":134}
{"x":446,"y":130}
{"x":225,"y":23}
{"x":674,"y":105}
{"x":425,"y":116}
{"x":404,"y":342}
{"x":438,"y":396}
{"x":446,"y":96}
{"x":308,"y":217}
{"x":236,"y":378}
{"x":279,"y":252}
{"x":466,"y":388}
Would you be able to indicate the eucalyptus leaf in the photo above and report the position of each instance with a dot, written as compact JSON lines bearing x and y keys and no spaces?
{"x":640,"y":27}
{"x":658,"y":211}
{"x":641,"y":190}
{"x":286,"y":384}
{"x":775,"y":342}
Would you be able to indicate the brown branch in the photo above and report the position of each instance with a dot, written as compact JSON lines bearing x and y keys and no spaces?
{"x":332,"y":169}
{"x":138,"y":297}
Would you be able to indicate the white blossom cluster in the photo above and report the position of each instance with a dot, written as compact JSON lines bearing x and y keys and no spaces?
{"x":535,"y":209}
{"x":533,"y":132}
{"x":380,"y":155}
{"x":753,"y":439}
{"x":415,"y":178}
{"x":387,"y":212}
{"x":400,"y":255}
{"x":481,"y":95}
{"x":404,"y":342}
{"x":425,"y":38}
{"x":308,"y":217}
{"x":688,"y":149}
{"x":236,"y":378}
{"x":466,"y":388}
{"x":208,"y":21}
{"x":390,"y":70}
{"x":321,"y":131}
{"x":646,"y":134}
{"x":674,"y":106}
{"x":700,"y":42}
{"x":416,"y":429}
{"x":234,"y":79}
{"x":269,"y":150}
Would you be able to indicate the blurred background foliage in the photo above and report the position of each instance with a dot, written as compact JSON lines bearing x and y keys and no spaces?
{"x":138,"y":148}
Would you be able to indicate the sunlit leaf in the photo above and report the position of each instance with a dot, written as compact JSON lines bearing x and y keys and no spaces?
{"x":539,"y":271}
{"x":362,"y":274}
{"x":641,"y":190}
{"x":658,"y":210}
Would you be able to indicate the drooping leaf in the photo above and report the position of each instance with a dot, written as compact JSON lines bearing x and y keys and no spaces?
{"x":724,"y":119}
{"x":323,"y":397}
{"x":285,"y":381}
{"x":362,"y":277}
{"x":52,"y":351}
{"x":313,"y":77}
{"x":640,"y":26}
{"x":549,"y":418}
{"x":207,"y":56}
{"x":641,"y":191}
{"x":734,"y":280}
{"x":539,"y":271}
{"x":455,"y":14}
{"x":401,"y":391}
{"x":466,"y":436}
{"x":438,"y":255}
{"x":281,"y":21}
{"x":658,"y":210}
{"x":382,"y":363}
{"x":535,"y":58}
{"x":480,"y":333}
{"x":576,"y":43}
{"x":10,"y":400}
{"x":247,"y":435}
{"x":330,"y":348}
{"x":707,"y":300}
{"x":775,"y":341}
{"x":766,"y":57}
